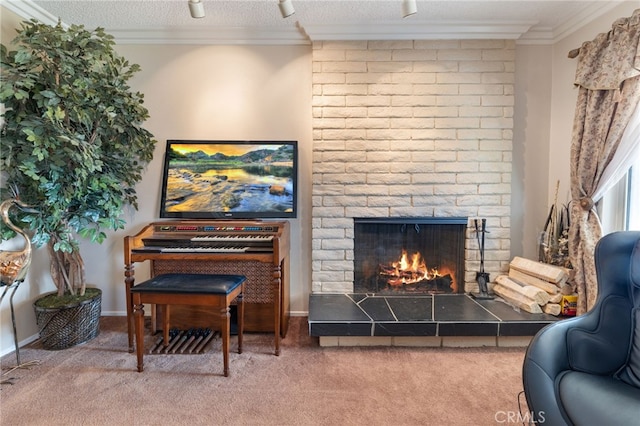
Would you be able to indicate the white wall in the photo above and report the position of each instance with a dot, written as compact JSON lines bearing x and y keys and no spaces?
{"x":530,"y":148}
{"x":216,"y":92}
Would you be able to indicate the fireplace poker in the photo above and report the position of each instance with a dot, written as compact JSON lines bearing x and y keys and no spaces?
{"x":482,"y":277}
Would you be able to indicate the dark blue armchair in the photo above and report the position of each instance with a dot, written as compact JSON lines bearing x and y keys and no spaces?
{"x":586,"y":370}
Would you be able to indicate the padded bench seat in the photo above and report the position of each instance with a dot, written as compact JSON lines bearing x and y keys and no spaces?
{"x":189,"y":289}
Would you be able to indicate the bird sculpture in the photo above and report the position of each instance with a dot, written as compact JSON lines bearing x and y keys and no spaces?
{"x":14,"y":264}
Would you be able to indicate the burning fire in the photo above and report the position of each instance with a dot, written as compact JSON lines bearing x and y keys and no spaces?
{"x":413,"y":271}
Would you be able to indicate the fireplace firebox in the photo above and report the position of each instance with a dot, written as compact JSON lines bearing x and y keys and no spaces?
{"x":409,"y":255}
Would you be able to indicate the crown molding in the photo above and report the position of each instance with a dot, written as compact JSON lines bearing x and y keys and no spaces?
{"x":537,"y":35}
{"x":205,"y":35}
{"x":201,"y":35}
{"x":425,"y":30}
{"x":28,"y":10}
{"x":579,"y":20}
{"x":585,"y":16}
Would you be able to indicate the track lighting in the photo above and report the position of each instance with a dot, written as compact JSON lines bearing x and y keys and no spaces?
{"x":409,"y":7}
{"x":286,"y":8}
{"x":196,"y":8}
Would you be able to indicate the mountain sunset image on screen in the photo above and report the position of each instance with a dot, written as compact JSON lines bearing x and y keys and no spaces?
{"x":229,"y":179}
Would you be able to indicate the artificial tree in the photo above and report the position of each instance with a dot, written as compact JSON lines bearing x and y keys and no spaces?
{"x":73,"y":145}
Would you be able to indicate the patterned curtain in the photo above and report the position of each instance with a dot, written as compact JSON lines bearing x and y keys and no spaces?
{"x":608,"y":80}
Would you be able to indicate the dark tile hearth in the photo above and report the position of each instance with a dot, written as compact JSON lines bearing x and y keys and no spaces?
{"x":425,"y":315}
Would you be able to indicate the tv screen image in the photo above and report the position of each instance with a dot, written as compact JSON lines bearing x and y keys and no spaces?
{"x":229,"y":179}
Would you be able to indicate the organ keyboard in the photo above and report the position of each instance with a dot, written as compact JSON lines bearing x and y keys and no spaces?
{"x":259,"y":250}
{"x":203,"y":249}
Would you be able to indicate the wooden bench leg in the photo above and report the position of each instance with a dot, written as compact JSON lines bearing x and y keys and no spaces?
{"x":240,"y":304}
{"x":165,"y":325}
{"x":276,"y":325}
{"x":130,"y":322}
{"x":225,"y":331}
{"x":138,"y":314}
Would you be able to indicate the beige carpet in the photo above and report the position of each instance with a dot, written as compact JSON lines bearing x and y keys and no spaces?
{"x":97,"y":384}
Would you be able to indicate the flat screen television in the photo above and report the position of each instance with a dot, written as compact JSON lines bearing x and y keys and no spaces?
{"x":229,"y":179}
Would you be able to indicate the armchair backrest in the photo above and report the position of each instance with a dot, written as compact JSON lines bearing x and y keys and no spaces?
{"x":603,"y":346}
{"x":631,"y":372}
{"x":614,"y":257}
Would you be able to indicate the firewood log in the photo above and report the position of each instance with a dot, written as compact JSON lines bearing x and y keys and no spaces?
{"x":538,"y":295}
{"x":534,"y":281}
{"x":552,"y":309}
{"x":551,"y":273}
{"x":555,"y":298}
{"x":566,"y":289}
{"x":516,"y":299}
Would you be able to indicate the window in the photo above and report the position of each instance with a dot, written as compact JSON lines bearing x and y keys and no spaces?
{"x":619,"y":209}
{"x":633,"y":219}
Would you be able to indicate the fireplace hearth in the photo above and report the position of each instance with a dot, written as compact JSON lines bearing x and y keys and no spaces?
{"x":409,"y":255}
{"x":437,"y":316}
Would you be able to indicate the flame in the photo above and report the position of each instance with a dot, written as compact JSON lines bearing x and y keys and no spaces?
{"x":413,"y":269}
{"x":417,"y":268}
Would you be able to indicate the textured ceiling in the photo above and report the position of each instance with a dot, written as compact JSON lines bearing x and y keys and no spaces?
{"x":163,"y":20}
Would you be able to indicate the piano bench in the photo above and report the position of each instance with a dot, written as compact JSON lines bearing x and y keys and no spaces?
{"x":189,"y":289}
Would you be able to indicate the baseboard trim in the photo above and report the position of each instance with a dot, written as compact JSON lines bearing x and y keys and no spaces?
{"x":34,"y":337}
{"x":427,"y":341}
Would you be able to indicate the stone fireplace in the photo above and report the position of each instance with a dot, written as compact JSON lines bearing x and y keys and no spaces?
{"x":410,"y":128}
{"x":409,"y":255}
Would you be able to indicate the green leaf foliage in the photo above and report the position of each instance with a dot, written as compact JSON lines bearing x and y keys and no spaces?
{"x":73,"y":145}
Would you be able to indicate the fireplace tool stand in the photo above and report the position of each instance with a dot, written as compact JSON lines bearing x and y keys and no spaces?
{"x":482,"y":277}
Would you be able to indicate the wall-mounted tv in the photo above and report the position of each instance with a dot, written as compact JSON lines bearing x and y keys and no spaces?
{"x":229,"y":179}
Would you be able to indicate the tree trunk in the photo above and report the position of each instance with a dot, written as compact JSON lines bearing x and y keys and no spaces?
{"x":67,"y":271}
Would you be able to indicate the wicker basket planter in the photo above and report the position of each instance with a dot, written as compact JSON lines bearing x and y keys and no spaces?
{"x":69,"y":325}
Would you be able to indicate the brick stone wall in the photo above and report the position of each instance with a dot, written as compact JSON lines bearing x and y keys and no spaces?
{"x":410,"y":129}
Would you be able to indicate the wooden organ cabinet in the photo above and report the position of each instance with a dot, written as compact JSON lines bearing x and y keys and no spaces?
{"x":256,"y":249}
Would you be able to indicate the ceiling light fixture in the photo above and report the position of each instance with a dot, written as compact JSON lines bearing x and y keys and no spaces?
{"x":196,"y":8}
{"x":286,"y":8}
{"x":409,"y":7}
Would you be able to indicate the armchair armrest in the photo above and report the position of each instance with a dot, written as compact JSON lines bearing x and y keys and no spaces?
{"x":546,"y":358}
{"x":595,"y":343}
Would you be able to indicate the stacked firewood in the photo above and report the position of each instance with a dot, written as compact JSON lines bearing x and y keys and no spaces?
{"x":533,"y":286}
